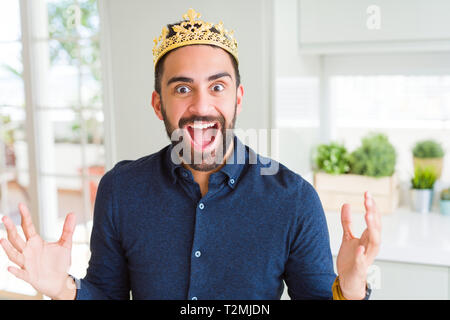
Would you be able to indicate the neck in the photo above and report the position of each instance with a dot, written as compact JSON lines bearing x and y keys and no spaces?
{"x":202,"y":177}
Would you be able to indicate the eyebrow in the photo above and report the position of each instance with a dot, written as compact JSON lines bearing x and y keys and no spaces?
{"x":190,"y":80}
{"x":219,"y":75}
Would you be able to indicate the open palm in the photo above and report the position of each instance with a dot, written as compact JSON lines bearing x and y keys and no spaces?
{"x":357,"y":254}
{"x":44,"y":265}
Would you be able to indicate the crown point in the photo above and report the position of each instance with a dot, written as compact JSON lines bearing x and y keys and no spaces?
{"x":164,"y":32}
{"x":192,"y":15}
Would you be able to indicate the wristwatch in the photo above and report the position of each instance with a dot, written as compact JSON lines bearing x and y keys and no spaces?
{"x":76,"y":281}
{"x":368,"y":291}
{"x":336,"y":288}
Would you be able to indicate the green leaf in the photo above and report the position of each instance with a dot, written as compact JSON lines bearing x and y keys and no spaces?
{"x":424,"y":177}
{"x":332,"y":158}
{"x":376,"y":157}
{"x":428,"y":149}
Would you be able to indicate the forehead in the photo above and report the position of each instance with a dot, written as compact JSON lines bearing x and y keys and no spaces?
{"x":197,"y":61}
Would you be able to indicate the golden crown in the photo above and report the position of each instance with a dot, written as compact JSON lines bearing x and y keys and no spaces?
{"x":194,"y":31}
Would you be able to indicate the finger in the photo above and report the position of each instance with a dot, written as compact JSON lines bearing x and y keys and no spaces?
{"x":373,"y":244}
{"x":372,"y":215}
{"x":373,"y":221}
{"x":13,"y":254}
{"x":373,"y":239}
{"x":346,"y":221}
{"x":68,"y":229}
{"x":13,"y":236}
{"x":19,"y":273}
{"x":27,"y":223}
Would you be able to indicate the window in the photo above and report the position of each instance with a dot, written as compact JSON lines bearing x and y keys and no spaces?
{"x":54,"y":164}
{"x":392,"y":101}
{"x":406,"y":96}
{"x":297,"y":100}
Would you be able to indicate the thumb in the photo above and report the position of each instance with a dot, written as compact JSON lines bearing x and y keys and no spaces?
{"x":67,"y":233}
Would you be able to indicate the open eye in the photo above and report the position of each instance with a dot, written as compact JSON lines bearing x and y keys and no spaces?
{"x":218,"y":87}
{"x":182,"y":89}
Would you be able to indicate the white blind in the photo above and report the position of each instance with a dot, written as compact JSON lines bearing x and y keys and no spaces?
{"x":297,"y":102}
{"x":391,"y":100}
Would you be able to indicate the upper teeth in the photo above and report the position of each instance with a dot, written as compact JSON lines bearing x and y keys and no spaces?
{"x":202,"y":125}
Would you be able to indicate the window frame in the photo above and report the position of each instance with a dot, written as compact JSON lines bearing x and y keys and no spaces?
{"x":29,"y":10}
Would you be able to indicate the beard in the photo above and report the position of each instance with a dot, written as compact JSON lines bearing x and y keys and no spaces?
{"x":199,"y":160}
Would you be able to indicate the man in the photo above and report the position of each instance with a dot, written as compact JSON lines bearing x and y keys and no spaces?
{"x":198,"y":219}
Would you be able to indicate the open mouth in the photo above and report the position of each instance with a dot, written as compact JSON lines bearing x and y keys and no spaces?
{"x":203,"y":134}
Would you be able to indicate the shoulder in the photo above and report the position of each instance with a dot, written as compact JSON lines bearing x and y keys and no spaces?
{"x":291,"y":187}
{"x":143,"y":163}
{"x":136,"y":169}
{"x":278,"y":175}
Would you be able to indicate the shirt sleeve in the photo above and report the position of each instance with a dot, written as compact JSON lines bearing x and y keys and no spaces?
{"x":309,"y":272}
{"x":107,"y":274}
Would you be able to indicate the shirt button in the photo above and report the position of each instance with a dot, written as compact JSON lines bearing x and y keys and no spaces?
{"x":198,"y":254}
{"x":201,"y":206}
{"x":185,"y":174}
{"x":232,"y":181}
{"x":194,"y":298}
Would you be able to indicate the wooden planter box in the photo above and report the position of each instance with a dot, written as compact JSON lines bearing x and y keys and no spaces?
{"x":335,"y":190}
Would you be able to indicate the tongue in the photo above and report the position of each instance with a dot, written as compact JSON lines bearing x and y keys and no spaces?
{"x":203,"y":137}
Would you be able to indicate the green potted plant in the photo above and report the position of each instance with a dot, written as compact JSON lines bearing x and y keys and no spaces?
{"x":376,"y":157}
{"x":422,"y":188}
{"x":341,"y":177}
{"x":332,"y":158}
{"x":428,"y":153}
{"x":444,"y":203}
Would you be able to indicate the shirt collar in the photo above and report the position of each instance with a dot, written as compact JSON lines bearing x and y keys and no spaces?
{"x":233,"y":167}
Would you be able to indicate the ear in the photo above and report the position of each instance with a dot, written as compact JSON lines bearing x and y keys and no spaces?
{"x":156,"y":103}
{"x":239,"y":96}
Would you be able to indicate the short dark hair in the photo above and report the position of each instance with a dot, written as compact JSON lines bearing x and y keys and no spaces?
{"x":159,"y":69}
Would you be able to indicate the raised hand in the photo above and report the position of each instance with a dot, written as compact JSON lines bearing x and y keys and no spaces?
{"x":44,"y":265}
{"x":357,"y":254}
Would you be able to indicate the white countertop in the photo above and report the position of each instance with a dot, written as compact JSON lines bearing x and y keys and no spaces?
{"x":407,"y":236}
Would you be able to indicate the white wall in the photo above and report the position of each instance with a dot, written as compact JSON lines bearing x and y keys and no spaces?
{"x":131,"y":26}
{"x":329,"y":26}
{"x":288,"y":60}
{"x":294,"y":145}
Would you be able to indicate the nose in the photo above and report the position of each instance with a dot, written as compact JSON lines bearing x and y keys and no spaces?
{"x":201,"y":104}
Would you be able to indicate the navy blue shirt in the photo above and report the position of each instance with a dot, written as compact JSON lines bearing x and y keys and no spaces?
{"x":154,"y":235}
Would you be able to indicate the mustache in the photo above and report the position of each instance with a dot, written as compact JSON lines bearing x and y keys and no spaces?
{"x":184,"y":121}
